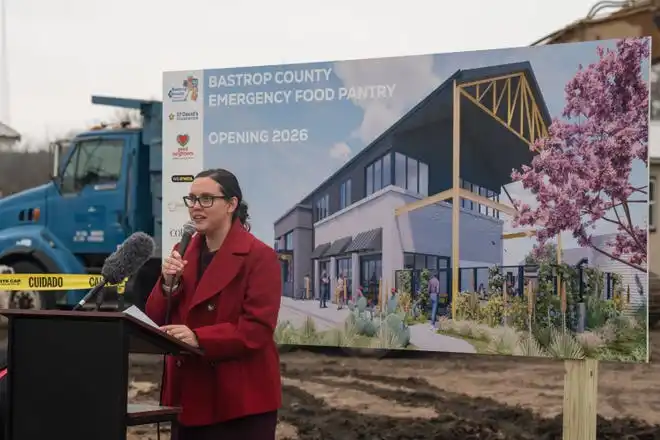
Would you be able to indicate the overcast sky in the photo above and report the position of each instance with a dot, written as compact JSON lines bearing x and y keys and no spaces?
{"x":61,"y":52}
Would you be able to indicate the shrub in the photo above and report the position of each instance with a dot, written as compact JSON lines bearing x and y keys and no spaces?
{"x":463,"y":328}
{"x":529,"y":346}
{"x":591,"y":342}
{"x":495,"y":280}
{"x":371,"y":324}
{"x":423,"y":295}
{"x":607,"y":332}
{"x":444,"y":324}
{"x":598,"y":312}
{"x":493,"y":312}
{"x":388,"y":338}
{"x":563,"y":345}
{"x":503,"y":341}
{"x":285,"y":334}
{"x":517,"y":312}
{"x":468,"y":307}
{"x":308,"y":334}
{"x":404,"y":302}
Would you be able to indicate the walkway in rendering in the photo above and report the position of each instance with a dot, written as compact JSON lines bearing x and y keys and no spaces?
{"x":421,"y":336}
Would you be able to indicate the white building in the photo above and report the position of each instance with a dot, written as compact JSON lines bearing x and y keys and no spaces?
{"x":631,"y":278}
{"x":8,"y":136}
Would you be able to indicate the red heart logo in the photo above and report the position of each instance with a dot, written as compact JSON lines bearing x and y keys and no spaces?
{"x":183,"y":139}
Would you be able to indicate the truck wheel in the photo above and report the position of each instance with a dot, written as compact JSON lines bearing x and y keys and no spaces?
{"x":30,"y":299}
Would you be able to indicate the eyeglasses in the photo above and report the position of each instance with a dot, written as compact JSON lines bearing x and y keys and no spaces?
{"x":205,"y":201}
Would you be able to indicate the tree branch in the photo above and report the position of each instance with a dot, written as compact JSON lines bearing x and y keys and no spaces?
{"x":626,"y":209}
{"x":620,"y":260}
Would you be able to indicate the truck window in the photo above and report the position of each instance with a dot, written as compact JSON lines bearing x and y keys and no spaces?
{"x":93,"y":162}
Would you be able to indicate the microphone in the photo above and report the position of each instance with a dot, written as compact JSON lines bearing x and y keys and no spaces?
{"x":188,"y":232}
{"x":131,"y":255}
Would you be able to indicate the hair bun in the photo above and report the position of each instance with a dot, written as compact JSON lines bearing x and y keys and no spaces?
{"x":242,"y":214}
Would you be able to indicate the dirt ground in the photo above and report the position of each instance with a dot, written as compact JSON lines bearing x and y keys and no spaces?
{"x":456,"y":397}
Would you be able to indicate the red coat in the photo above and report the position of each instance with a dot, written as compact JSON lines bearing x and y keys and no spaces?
{"x":233,"y":310}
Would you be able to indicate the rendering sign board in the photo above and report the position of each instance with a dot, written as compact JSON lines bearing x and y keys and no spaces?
{"x":481,"y":202}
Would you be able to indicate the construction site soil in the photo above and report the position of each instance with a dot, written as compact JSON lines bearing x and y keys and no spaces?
{"x":452,"y":397}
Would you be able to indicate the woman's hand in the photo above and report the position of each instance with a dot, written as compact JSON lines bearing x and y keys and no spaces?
{"x":182,"y":333}
{"x":173,"y":266}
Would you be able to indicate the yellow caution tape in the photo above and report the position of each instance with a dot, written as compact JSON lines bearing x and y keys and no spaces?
{"x":53,"y":281}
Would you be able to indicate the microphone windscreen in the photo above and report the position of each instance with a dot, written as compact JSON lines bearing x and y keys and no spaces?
{"x":189,"y":228}
{"x":188,"y":232}
{"x":136,"y":250}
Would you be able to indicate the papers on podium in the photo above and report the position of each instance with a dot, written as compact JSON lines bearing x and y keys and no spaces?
{"x":139,"y":314}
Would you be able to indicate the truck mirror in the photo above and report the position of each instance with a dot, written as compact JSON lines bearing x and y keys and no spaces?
{"x":56,"y":152}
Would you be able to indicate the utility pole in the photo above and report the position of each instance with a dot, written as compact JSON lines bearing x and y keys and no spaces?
{"x":4,"y":66}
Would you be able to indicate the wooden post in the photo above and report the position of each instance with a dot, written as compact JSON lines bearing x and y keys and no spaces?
{"x":580,"y":399}
{"x":456,"y":200}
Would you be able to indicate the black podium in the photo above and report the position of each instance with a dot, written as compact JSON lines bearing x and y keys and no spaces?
{"x":68,"y":374}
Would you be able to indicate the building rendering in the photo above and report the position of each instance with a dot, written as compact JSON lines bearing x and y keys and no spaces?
{"x":391,"y":206}
{"x":632,"y":280}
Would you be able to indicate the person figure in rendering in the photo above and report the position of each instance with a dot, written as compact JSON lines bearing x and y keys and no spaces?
{"x":225,"y":294}
{"x":434,"y":290}
{"x":325,"y":290}
{"x":341,"y":283}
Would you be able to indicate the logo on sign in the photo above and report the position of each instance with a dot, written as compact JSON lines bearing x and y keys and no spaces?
{"x":183,"y":151}
{"x":183,"y":116}
{"x":183,"y":178}
{"x":175,"y":206}
{"x":187,"y":91}
{"x":176,"y":232}
{"x":182,"y":139}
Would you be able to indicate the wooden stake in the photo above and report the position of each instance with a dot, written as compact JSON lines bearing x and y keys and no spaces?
{"x":580,"y":399}
{"x":456,"y":199}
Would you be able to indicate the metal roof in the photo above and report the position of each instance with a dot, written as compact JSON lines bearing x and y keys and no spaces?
{"x":367,"y":241}
{"x":8,"y":133}
{"x":338,"y":246}
{"x":319,"y":251}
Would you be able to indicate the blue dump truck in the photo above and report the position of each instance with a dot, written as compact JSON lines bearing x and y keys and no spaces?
{"x":106,"y":185}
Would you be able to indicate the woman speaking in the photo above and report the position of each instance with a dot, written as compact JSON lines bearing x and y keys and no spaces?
{"x":225,"y":297}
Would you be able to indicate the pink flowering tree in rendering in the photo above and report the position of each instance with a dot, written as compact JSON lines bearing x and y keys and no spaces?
{"x":581,"y":175}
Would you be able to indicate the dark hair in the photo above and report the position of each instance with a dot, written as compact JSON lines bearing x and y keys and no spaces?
{"x":230,"y":187}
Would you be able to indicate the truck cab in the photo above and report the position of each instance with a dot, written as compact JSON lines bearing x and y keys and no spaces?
{"x":106,"y":185}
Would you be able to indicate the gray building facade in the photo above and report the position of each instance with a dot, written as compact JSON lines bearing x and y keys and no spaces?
{"x":347,"y":226}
